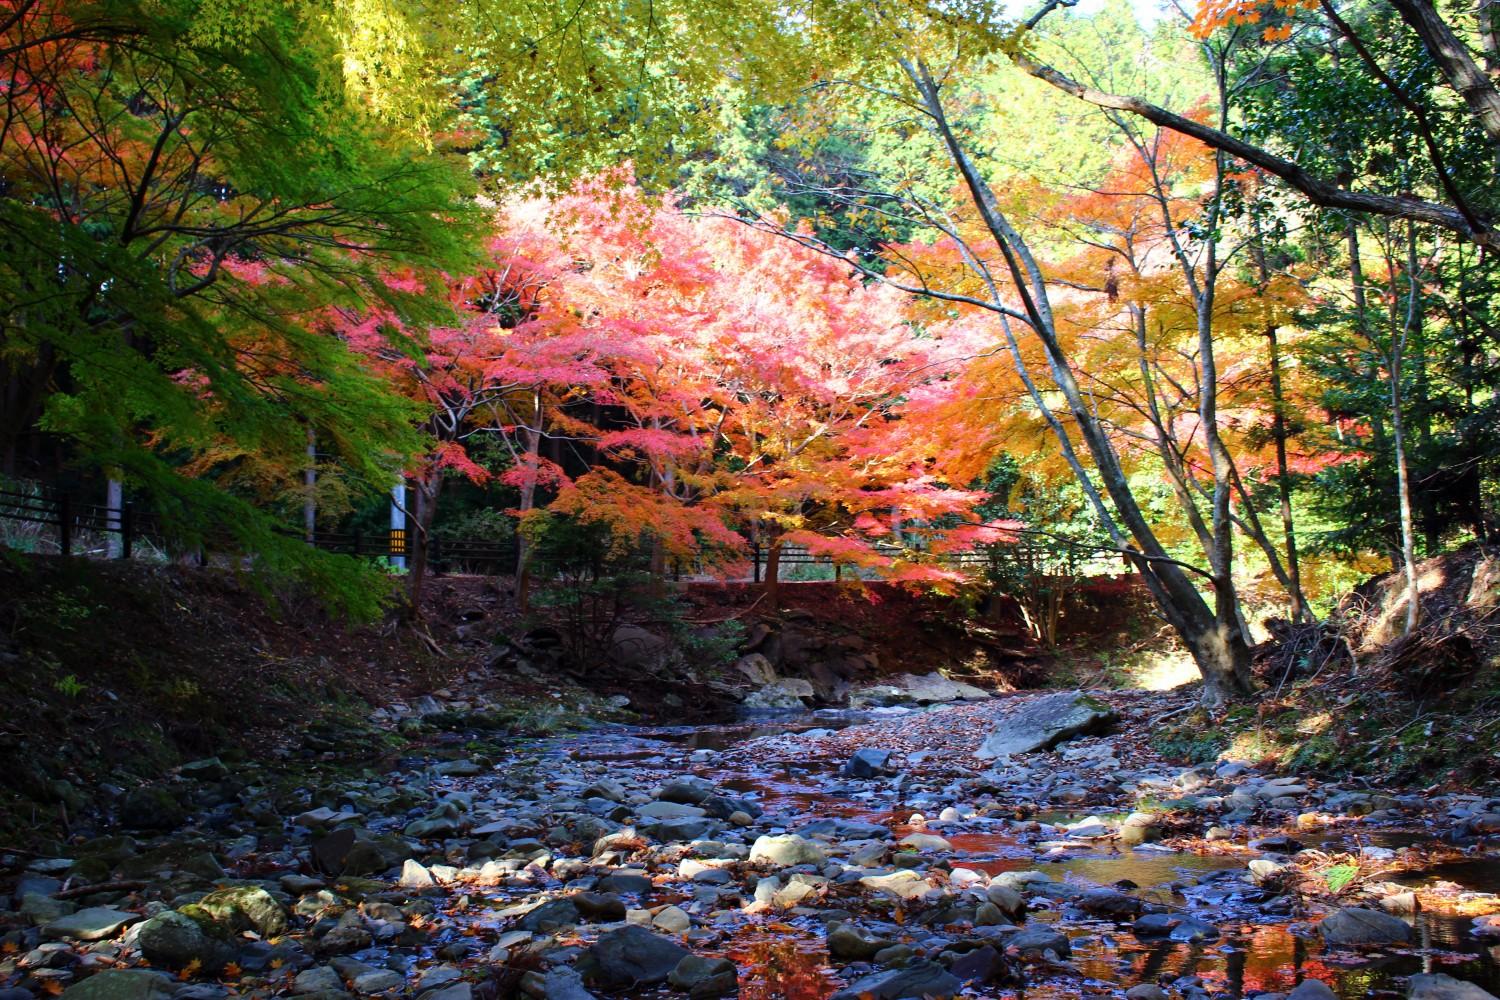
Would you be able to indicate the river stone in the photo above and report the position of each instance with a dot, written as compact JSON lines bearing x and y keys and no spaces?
{"x":92,"y":924}
{"x":414,"y":875}
{"x":629,"y":883}
{"x":786,"y":850}
{"x":1438,"y":986}
{"x":1312,"y":989}
{"x":378,"y":981}
{"x":690,"y":791}
{"x":868,"y":763}
{"x":1044,"y":722}
{"x":669,"y":810}
{"x":921,"y":980}
{"x":122,"y":984}
{"x":630,"y":956}
{"x":174,"y":940}
{"x":1036,"y":940}
{"x":1173,"y":926}
{"x":852,"y":943}
{"x":560,"y":983}
{"x":319,"y":979}
{"x":549,"y":916}
{"x":242,"y":908}
{"x":925,"y":689}
{"x":705,"y":977}
{"x":787,"y":692}
{"x":1357,"y":927}
{"x":924,"y":842}
{"x":40,"y":909}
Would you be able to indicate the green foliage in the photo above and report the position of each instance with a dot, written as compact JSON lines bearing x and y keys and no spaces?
{"x":1338,"y":877}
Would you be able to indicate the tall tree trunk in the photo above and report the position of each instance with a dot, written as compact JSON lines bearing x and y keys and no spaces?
{"x":1297,"y":609}
{"x":528,"y":501}
{"x":429,"y":486}
{"x":773,"y":574}
{"x":1398,"y":436}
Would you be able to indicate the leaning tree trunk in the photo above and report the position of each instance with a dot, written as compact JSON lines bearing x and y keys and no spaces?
{"x":1212,"y":636}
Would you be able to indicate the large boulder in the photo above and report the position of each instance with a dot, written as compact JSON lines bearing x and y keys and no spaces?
{"x":1043,"y":723}
{"x":926,"y":689}
{"x":122,"y":984}
{"x":756,"y":669}
{"x":787,"y":692}
{"x":242,"y":908}
{"x":640,"y":649}
{"x":1357,"y":927}
{"x":629,"y":957}
{"x":176,"y":941}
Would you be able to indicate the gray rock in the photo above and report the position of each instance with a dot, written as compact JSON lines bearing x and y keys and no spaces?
{"x":1443,"y":987}
{"x":852,"y":943}
{"x":122,"y":984}
{"x":630,"y":956}
{"x":868,"y":763}
{"x":549,"y":916}
{"x":1174,"y":927}
{"x":688,"y":791}
{"x":1146,"y":991}
{"x":1312,"y":989}
{"x":414,"y":875}
{"x":92,"y":924}
{"x":174,"y":940}
{"x":705,"y":977}
{"x":925,"y":689}
{"x":1036,"y":940}
{"x":786,"y":692}
{"x":1044,"y":722}
{"x":560,"y":983}
{"x":1357,"y":927}
{"x":242,"y":908}
{"x":455,"y":991}
{"x":378,"y":981}
{"x":319,"y":979}
{"x":918,"y":981}
{"x":786,"y":850}
{"x":207,"y":769}
{"x":41,"y":909}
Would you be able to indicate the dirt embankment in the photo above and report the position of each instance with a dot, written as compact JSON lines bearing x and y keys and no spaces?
{"x":116,"y":673}
{"x":1359,"y":696}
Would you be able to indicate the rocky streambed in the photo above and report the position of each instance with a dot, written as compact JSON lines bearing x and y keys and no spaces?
{"x":1026,"y":846}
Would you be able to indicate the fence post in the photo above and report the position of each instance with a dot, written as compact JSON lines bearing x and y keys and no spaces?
{"x":127,"y":531}
{"x":65,"y":525}
{"x":357,"y":540}
{"x":755,"y":555}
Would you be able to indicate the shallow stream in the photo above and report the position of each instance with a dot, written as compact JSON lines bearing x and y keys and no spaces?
{"x":785,"y":958}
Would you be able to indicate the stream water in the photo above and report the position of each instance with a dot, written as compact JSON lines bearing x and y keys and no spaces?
{"x":783,"y":956}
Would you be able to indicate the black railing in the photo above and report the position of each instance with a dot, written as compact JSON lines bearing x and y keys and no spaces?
{"x":71,"y":521}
